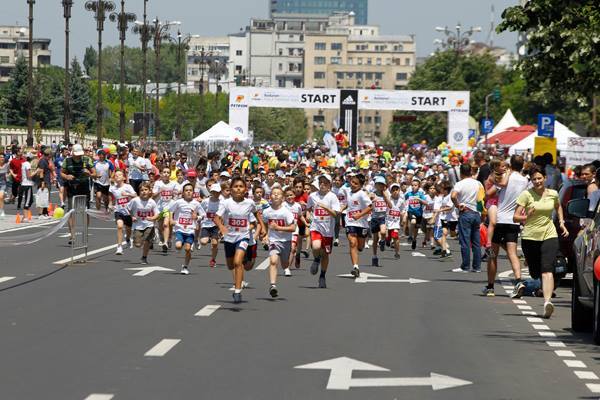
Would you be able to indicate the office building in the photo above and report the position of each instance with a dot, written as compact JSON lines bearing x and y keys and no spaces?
{"x":324,"y":7}
{"x":14,"y":43}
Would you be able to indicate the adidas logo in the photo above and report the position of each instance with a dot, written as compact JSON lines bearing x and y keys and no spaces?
{"x":349,"y":101}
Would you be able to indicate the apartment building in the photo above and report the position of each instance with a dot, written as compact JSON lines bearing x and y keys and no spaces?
{"x":14,"y":43}
{"x":209,"y":60}
{"x":324,"y":7}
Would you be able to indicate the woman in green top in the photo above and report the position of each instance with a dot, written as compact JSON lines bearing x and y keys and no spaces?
{"x":539,"y":238}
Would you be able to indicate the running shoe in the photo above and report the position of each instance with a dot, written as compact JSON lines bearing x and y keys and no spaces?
{"x":375,"y":262}
{"x":489,"y":292}
{"x":245,"y":284}
{"x":304,"y":253}
{"x":336,"y":242}
{"x":297,"y":263}
{"x":119,"y":251}
{"x":273,"y":291}
{"x":322,"y":282}
{"x":184,"y":270}
{"x":413,"y":244}
{"x":355,"y":272}
{"x":165,"y":247}
{"x":287,"y":272}
{"x":265,"y":247}
{"x":460,"y":270}
{"x":314,"y":267}
{"x":367,"y":245}
{"x":2,"y":214}
{"x":548,"y":309}
{"x":388,"y":243}
{"x":130,"y":243}
{"x":437,"y":251}
{"x":212,"y":263}
{"x":237,"y":298}
{"x":518,"y":291}
{"x":382,"y":245}
{"x":397,"y":256}
{"x":144,"y":260}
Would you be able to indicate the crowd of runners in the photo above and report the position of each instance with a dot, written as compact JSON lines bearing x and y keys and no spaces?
{"x":295,"y":202}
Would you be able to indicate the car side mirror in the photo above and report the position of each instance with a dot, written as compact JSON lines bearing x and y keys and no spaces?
{"x":578,"y":208}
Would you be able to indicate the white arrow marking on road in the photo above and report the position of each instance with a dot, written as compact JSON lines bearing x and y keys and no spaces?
{"x":6,"y":278}
{"x":207,"y":311}
{"x":143,"y":271}
{"x":99,"y":396}
{"x":340,"y":377}
{"x":362,"y":274}
{"x":409,"y":280}
{"x":417,"y":254}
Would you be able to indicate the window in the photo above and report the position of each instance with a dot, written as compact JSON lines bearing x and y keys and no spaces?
{"x":4,"y":59}
{"x":280,"y":66}
{"x":281,"y":82}
{"x":399,"y":87}
{"x":378,"y":75}
{"x":369,"y":75}
{"x":290,"y":52}
{"x":350,"y":61}
{"x":368,"y":119}
{"x":320,"y":46}
{"x":339,"y":75}
{"x":369,"y":61}
{"x":378,"y":119}
{"x":336,"y":60}
{"x":401,"y":76}
{"x":238,"y":52}
{"x":319,"y":75}
{"x":336,"y":46}
{"x":359,"y":75}
{"x":280,"y":52}
{"x":360,"y":61}
{"x":349,"y":75}
{"x":297,"y":83}
{"x":318,"y":118}
{"x":378,"y":61}
{"x":407,"y":61}
{"x":320,"y":60}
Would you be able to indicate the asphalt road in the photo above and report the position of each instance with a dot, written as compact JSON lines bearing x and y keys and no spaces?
{"x":95,"y":330}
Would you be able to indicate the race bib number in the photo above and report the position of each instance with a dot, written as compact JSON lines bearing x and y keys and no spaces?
{"x":238,"y":222}
{"x":145,"y":214}
{"x":354,"y":214}
{"x":341,"y":198}
{"x":166,"y":194}
{"x":295,"y":216}
{"x":185,"y":221}
{"x":321,"y":212}
{"x":394,"y":213}
{"x":122,"y":201}
{"x":414,"y":202}
{"x":379,"y":205}
{"x":210,"y":215}
{"x":196,"y":195}
{"x":278,"y":222}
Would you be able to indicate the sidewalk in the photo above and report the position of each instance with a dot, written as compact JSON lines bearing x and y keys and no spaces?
{"x":8,"y":224}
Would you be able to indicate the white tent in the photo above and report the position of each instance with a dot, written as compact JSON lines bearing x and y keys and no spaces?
{"x":507,"y":121}
{"x":561,"y":133}
{"x":221,"y":132}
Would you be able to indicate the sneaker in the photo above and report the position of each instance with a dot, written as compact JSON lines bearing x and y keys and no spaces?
{"x":237,"y":298}
{"x":460,"y":270}
{"x":367,"y":245}
{"x":245,"y":284}
{"x":375,"y":262}
{"x":336,"y":242}
{"x":144,"y":260}
{"x":548,"y":309}
{"x":212,"y":263}
{"x":355,"y":272}
{"x":489,"y":292}
{"x":322,"y":282}
{"x":297,"y":263}
{"x":413,"y":244}
{"x":476,"y":270}
{"x":381,"y":245}
{"x":184,"y":270}
{"x":397,"y":256}
{"x":437,"y":251}
{"x":130,"y":243}
{"x":164,"y":246}
{"x":518,"y":291}
{"x":119,"y":251}
{"x":273,"y":291}
{"x":265,"y":247}
{"x":314,"y":267}
{"x":304,"y":253}
{"x":287,"y":272}
{"x":388,"y":243}
{"x":2,"y":214}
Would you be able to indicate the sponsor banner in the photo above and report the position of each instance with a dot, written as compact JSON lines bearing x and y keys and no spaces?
{"x":349,"y":115}
{"x":239,"y":111}
{"x":413,"y":100}
{"x":458,"y":131}
{"x":294,"y":98}
{"x":581,"y":150}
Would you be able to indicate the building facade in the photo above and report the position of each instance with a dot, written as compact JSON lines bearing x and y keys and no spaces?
{"x":324,"y":7}
{"x":14,"y":43}
{"x":209,"y":64}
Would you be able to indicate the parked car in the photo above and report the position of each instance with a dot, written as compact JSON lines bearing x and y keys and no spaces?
{"x":585,"y":300}
{"x":571,"y":190}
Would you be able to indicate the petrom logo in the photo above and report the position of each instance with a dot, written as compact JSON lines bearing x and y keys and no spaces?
{"x":460,"y":103}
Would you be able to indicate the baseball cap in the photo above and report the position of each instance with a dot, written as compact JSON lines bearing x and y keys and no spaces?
{"x":225,"y":174}
{"x":380,"y":179}
{"x":411,"y":171}
{"x":393,"y":185}
{"x":215,"y":187}
{"x":326,"y":176}
{"x":77,"y":150}
{"x":191,"y":174}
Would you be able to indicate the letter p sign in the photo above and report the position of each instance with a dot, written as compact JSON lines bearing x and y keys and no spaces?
{"x":546,"y":125}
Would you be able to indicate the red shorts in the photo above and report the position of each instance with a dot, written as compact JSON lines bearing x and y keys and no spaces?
{"x":393,"y":234}
{"x":326,"y":242}
{"x":295,"y":239}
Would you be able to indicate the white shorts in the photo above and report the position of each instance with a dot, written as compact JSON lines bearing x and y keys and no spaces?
{"x":282,"y":249}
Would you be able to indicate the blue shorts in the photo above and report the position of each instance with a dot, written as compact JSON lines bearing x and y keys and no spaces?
{"x":437,"y":232}
{"x":183,"y":238}
{"x":358,"y":231}
{"x":376,"y":224}
{"x":231,"y":248}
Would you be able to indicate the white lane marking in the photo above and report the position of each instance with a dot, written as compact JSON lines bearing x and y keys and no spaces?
{"x":517,"y":301}
{"x":162,"y":348}
{"x":143,"y":271}
{"x":263,"y":265}
{"x":524,"y":308}
{"x":6,"y":278}
{"x":541,"y":327}
{"x":588,"y":375}
{"x":417,"y":254}
{"x":207,"y":311}
{"x":534,"y":319}
{"x":99,"y":396}
{"x":21,"y":228}
{"x":546,"y":334}
{"x":528,"y":313}
{"x":564,"y":353}
{"x":90,"y":253}
{"x":575,"y":364}
{"x":508,"y":288}
{"x":555,"y":344}
{"x":594,"y":387}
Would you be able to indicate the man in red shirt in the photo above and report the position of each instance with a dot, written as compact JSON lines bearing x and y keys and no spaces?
{"x":340,"y":138}
{"x":15,"y":172}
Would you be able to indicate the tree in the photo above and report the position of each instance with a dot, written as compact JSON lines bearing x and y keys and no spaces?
{"x":90,"y":60}
{"x":16,"y":94}
{"x":80,"y":95}
{"x":563,"y":49}
{"x":282,"y":125}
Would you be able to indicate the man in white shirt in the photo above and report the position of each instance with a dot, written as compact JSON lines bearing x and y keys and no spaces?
{"x":465,"y":198}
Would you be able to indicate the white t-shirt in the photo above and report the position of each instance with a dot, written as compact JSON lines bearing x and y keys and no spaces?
{"x":140,"y":210}
{"x":282,"y":217}
{"x":507,"y":198}
{"x":183,"y":215}
{"x":122,"y":197}
{"x":197,"y":190}
{"x":322,"y":221}
{"x":210,"y":207}
{"x":25,"y":181}
{"x":237,"y":217}
{"x":449,"y":215}
{"x":139,"y":167}
{"x":394,"y":214}
{"x":380,"y":206}
{"x":342,"y":194}
{"x":103,"y":170}
{"x":429,"y":207}
{"x":295,"y":208}
{"x":468,"y":190}
{"x":166,"y":191}
{"x":437,"y":205}
{"x":357,"y":201}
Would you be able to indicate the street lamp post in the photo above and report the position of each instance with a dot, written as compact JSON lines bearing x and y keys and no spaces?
{"x":146,"y":32}
{"x":123,"y":19}
{"x":203,"y":55}
{"x":182,"y":46}
{"x":218,"y":69}
{"x":99,"y":8}
{"x":456,"y":40}
{"x":67,"y":5}
{"x":30,"y":78}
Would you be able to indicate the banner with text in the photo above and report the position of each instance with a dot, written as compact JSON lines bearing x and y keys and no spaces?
{"x":581,"y":150}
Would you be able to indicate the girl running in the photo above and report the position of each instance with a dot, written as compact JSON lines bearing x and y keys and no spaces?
{"x":394,"y":217}
{"x":164,"y":192}
{"x":381,"y":203}
{"x":357,"y":225}
{"x":210,"y":231}
{"x":121,"y":194}
{"x":186,"y":212}
{"x":296,"y":210}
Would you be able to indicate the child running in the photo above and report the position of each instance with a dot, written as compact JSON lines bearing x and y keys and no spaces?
{"x":164,"y":192}
{"x":324,"y":206}
{"x":210,"y":231}
{"x":357,"y":225}
{"x":394,"y":217}
{"x":281,"y":224}
{"x":144,"y":212}
{"x":381,"y":203}
{"x":296,"y":210}
{"x":234,"y":219}
{"x":121,"y":193}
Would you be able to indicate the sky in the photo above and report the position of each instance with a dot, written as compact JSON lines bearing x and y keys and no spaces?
{"x":215,"y":18}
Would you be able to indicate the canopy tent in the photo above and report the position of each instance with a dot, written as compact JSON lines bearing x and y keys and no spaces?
{"x":221,"y":132}
{"x":508,"y":121}
{"x":511,"y":136}
{"x":561,"y":133}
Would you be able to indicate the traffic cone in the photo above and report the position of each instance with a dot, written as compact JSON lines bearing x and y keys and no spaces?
{"x":51,"y":209}
{"x":18,"y":218}
{"x":29,"y":217}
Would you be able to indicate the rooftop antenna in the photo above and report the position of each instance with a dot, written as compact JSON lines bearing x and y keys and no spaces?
{"x":490,"y":37}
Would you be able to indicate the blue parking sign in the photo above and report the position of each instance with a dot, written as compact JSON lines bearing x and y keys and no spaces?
{"x":546,"y":125}
{"x":487,"y":126}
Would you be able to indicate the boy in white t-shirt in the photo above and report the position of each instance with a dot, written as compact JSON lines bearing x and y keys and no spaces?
{"x":209,"y":231}
{"x":144,"y":212}
{"x":359,"y":207}
{"x":280,"y":224}
{"x":164,"y":192}
{"x":394,"y":217}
